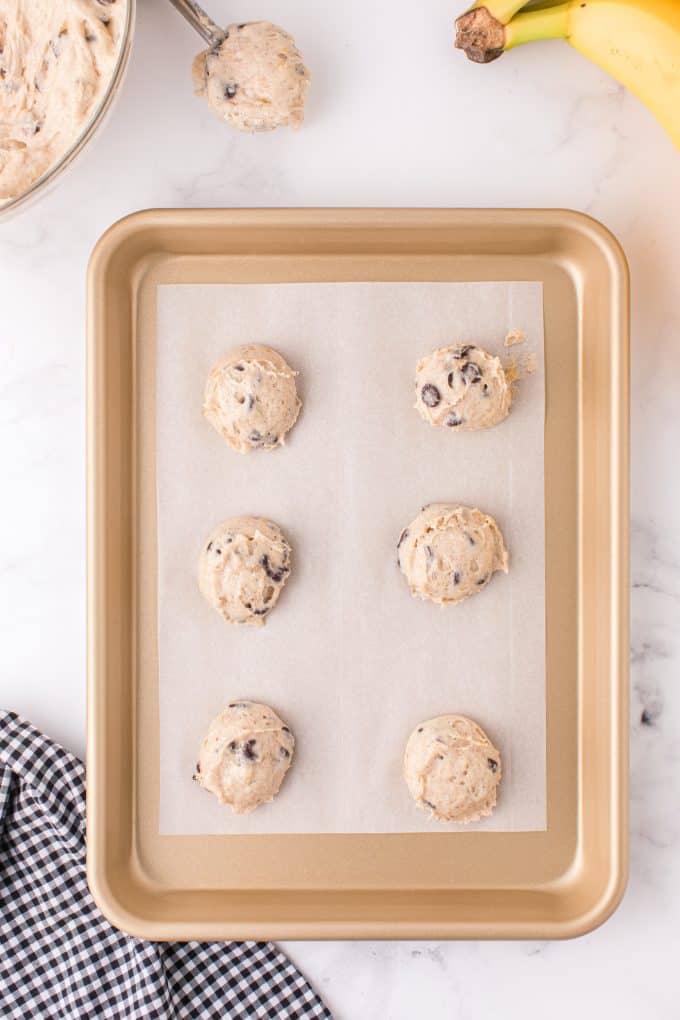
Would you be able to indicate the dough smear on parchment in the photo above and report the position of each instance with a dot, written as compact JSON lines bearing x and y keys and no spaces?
{"x":452,"y":769}
{"x":244,"y":757}
{"x":514,"y":337}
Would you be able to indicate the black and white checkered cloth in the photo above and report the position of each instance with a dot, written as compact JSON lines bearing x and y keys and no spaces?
{"x":59,"y":957}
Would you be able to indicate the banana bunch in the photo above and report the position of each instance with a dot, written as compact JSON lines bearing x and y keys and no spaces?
{"x":636,"y":41}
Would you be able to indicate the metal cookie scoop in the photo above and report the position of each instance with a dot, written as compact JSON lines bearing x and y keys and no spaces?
{"x":252,"y":75}
{"x":200,"y":21}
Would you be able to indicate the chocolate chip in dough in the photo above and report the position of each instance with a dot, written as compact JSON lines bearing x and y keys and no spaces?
{"x":430,"y":395}
{"x":493,"y":764}
{"x":249,"y":752}
{"x":275,"y":574}
{"x":230,"y":90}
{"x":471,"y":372}
{"x":462,"y":352}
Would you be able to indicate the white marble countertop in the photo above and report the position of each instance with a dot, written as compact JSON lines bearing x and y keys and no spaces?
{"x":395,"y":117}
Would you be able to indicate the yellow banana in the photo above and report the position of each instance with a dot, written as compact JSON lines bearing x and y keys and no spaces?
{"x":637,"y":42}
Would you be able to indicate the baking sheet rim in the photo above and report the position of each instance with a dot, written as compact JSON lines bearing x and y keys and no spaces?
{"x":618,"y":489}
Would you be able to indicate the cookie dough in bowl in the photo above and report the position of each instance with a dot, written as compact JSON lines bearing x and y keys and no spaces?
{"x":452,"y":769}
{"x":244,"y":756}
{"x":251,"y":398}
{"x":462,"y":388}
{"x":57,"y":63}
{"x":450,"y":552}
{"x":255,"y":79}
{"x":243,"y":567}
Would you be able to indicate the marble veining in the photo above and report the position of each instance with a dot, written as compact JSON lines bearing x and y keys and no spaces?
{"x":541,"y":127}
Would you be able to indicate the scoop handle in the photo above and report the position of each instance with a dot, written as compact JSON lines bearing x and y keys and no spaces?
{"x":200,"y":21}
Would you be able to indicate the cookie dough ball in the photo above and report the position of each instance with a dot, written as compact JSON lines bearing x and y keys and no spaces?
{"x":244,"y":756}
{"x":255,"y":79}
{"x":243,"y":567}
{"x":462,"y":387}
{"x":452,"y":769}
{"x":450,"y":552}
{"x":251,"y":399}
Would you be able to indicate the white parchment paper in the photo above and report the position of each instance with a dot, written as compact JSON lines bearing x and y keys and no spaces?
{"x":349,"y":660}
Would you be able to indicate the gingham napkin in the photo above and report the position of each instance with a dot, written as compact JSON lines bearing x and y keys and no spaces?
{"x":59,"y":957}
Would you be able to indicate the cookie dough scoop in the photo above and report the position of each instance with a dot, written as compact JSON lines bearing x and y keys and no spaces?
{"x":251,"y":399}
{"x":462,"y":388}
{"x":252,"y":75}
{"x":450,"y":552}
{"x":245,"y":755}
{"x":452,"y":769}
{"x":243,"y":567}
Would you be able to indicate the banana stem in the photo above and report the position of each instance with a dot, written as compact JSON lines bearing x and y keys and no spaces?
{"x":544,"y":23}
{"x":501,"y":10}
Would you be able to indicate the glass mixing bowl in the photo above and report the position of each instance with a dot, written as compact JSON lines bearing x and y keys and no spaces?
{"x":45,"y":183}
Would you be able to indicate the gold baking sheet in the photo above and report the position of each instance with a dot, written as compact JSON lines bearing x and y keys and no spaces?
{"x":433,"y":885}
